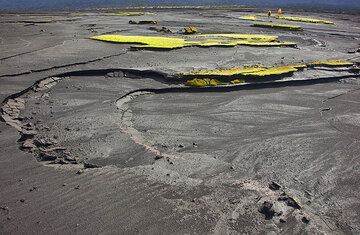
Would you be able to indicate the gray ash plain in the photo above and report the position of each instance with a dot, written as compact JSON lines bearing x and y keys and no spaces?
{"x":98,"y":138}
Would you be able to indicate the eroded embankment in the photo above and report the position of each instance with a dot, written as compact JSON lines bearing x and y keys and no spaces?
{"x":47,"y":149}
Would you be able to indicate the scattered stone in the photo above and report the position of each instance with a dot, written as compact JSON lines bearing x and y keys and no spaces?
{"x":47,"y":157}
{"x":77,"y":187}
{"x":4,"y":208}
{"x":64,"y":184}
{"x":79,"y":172}
{"x":160,"y":30}
{"x":22,"y":200}
{"x":28,"y":133}
{"x":29,"y":144}
{"x":325,"y":109}
{"x":305,"y":220}
{"x":290,"y":202}
{"x":143,"y":22}
{"x":195,"y":145}
{"x":274,"y":186}
{"x":158,"y":157}
{"x":234,"y":200}
{"x":90,"y":165}
{"x":54,"y":149}
{"x":167,"y":174}
{"x":73,"y":160}
{"x":308,"y":194}
{"x":61,"y":161}
{"x":181,"y":146}
{"x":33,"y":189}
{"x":282,"y":220}
{"x":267,"y":210}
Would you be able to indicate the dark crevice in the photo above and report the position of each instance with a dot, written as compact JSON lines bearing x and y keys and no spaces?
{"x":62,"y":66}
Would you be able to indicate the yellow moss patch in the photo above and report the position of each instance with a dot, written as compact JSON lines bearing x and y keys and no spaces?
{"x":302,"y":19}
{"x":174,"y":43}
{"x":249,"y":37}
{"x":252,"y":71}
{"x":224,"y":72}
{"x":259,"y":71}
{"x":237,"y":81}
{"x":204,"y":82}
{"x":273,"y":71}
{"x":147,"y":41}
{"x":279,"y":26}
{"x":190,"y":30}
{"x":265,"y":44}
{"x":250,"y":18}
{"x":332,"y":63}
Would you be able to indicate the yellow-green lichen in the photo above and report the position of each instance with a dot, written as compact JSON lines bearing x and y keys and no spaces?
{"x":174,"y":43}
{"x":250,"y":18}
{"x":254,"y":71}
{"x":258,"y":71}
{"x":248,"y":37}
{"x":146,"y":41}
{"x":224,"y":72}
{"x":302,"y":19}
{"x":279,"y":26}
{"x":204,"y":82}
{"x":331,"y":63}
{"x":237,"y":81}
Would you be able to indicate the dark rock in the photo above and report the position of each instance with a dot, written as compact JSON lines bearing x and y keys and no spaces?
{"x":274,"y":186}
{"x":4,"y":208}
{"x":33,"y":189}
{"x":79,"y":172}
{"x":267,"y":210}
{"x":282,"y":220}
{"x":73,"y":160}
{"x":29,"y":133}
{"x":47,"y":157}
{"x":61,"y":161}
{"x":234,"y":200}
{"x":305,"y":220}
{"x":90,"y":165}
{"x":290,"y":202}
{"x":77,"y":187}
{"x":181,"y":146}
{"x":22,"y":200}
{"x":308,"y":194}
{"x":28,"y":144}
{"x":158,"y":157}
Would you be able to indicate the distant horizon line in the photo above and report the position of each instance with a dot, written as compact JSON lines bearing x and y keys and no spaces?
{"x":290,"y":6}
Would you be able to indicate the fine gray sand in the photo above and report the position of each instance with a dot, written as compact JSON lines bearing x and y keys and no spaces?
{"x":98,"y":138}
